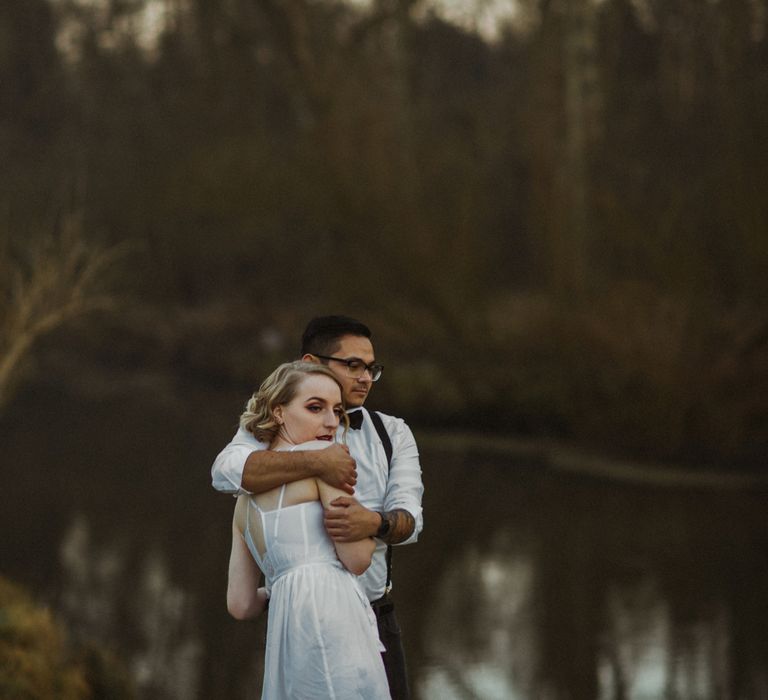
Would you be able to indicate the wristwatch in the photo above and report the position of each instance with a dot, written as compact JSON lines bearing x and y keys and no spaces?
{"x":383,"y":530}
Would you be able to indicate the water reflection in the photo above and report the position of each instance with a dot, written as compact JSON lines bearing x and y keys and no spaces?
{"x":491,"y":654}
{"x":597,"y":591}
{"x":134,"y":606}
{"x":488,"y":649}
{"x":645,"y":656}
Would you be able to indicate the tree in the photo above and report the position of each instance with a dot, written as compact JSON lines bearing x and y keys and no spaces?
{"x":36,"y":661}
{"x":59,"y":279}
{"x":33,"y":658}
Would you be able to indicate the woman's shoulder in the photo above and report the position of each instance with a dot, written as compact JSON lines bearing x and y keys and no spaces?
{"x":311,"y":445}
{"x":301,"y":491}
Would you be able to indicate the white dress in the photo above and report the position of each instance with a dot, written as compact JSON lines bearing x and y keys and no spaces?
{"x":322,"y":639}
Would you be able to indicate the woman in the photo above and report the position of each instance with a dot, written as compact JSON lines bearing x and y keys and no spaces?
{"x":322,"y":640}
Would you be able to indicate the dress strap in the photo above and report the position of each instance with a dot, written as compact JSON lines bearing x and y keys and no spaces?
{"x":279,"y":508}
{"x":250,"y":503}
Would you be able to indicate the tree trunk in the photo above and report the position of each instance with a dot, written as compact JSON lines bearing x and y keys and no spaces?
{"x":581,"y":111}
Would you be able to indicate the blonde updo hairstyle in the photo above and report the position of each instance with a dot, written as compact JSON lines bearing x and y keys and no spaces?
{"x":278,"y":389}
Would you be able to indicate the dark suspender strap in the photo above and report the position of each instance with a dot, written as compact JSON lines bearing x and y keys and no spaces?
{"x":387,"y":444}
{"x":383,"y":435}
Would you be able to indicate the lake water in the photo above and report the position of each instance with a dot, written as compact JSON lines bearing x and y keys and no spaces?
{"x":527,"y":582}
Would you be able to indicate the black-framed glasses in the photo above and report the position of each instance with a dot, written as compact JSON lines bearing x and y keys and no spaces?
{"x":356,"y":367}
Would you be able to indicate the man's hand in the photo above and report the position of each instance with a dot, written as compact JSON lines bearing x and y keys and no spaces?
{"x":347,"y":521}
{"x":336,"y":467}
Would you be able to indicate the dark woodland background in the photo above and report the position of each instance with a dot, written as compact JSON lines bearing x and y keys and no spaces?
{"x":561,"y":231}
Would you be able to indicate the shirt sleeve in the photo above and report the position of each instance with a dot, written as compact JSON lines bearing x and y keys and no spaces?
{"x":227,"y":469}
{"x":404,"y":486}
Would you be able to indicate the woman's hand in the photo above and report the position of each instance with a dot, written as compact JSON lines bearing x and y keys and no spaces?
{"x":262,"y":600}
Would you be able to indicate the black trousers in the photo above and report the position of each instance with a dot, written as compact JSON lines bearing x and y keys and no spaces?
{"x":394,"y":657}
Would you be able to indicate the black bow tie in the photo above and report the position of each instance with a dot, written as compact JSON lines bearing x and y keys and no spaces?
{"x":355,"y":420}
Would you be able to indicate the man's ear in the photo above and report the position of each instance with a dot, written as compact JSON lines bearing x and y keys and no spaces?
{"x":309,"y":357}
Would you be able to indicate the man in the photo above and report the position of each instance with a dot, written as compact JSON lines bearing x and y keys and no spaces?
{"x":387,"y":492}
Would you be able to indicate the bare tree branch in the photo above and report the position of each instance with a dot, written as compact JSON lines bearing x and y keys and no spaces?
{"x":60,"y":279}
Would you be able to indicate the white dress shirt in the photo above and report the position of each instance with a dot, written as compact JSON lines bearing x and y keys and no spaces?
{"x":377,"y":488}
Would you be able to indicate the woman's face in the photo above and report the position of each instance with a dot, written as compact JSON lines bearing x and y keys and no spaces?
{"x":312,"y":414}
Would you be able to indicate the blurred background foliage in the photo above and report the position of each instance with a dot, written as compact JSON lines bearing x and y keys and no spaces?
{"x":37,"y":661}
{"x":553,"y":213}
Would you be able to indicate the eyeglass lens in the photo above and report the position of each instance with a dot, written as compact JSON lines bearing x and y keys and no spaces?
{"x":356,"y":369}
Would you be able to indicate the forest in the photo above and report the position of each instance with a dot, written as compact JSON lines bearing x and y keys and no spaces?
{"x":555,"y":219}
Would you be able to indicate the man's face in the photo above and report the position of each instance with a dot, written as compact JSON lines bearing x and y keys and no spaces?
{"x":355,"y":389}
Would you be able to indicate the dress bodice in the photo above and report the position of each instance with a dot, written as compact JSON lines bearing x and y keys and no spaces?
{"x":294,"y":536}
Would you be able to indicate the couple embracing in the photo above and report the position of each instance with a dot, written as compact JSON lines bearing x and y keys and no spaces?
{"x":325,"y":489}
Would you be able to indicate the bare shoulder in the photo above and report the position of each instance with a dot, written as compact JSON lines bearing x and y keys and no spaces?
{"x":239,"y":515}
{"x":312,"y":445}
{"x":300,"y":491}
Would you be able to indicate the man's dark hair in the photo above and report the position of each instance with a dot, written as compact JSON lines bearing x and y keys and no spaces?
{"x":322,"y":334}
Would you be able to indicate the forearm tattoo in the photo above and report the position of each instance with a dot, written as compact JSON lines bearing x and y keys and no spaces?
{"x":401,"y":526}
